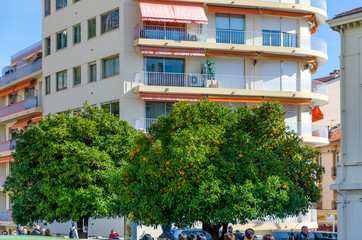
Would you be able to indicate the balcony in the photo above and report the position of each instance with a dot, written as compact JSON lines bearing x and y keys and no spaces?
{"x":321,"y":4}
{"x":5,"y":146}
{"x":5,"y":216}
{"x":333,"y":172}
{"x":144,"y":124}
{"x":312,"y":134}
{"x":215,"y":39}
{"x":21,"y":106}
{"x":265,"y":83}
{"x":11,"y":74}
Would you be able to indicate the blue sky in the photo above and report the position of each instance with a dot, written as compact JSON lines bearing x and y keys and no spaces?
{"x":20,"y":26}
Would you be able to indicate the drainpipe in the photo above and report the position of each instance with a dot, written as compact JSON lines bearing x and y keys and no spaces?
{"x":343,"y":126}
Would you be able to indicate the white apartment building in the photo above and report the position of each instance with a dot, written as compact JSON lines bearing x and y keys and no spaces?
{"x":136,"y":58}
{"x":20,"y":106}
{"x":349,"y":178}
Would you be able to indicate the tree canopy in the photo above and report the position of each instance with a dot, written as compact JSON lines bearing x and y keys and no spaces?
{"x":217,"y":165}
{"x":62,"y":167}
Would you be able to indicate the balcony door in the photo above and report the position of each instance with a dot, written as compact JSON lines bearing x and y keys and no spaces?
{"x":230,"y":28}
{"x":164,"y":71}
{"x":230,"y":72}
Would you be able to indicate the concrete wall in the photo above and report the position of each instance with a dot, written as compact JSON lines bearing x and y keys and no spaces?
{"x":349,"y":177}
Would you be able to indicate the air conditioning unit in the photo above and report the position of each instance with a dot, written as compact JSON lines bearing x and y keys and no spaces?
{"x":195,"y":80}
{"x":193,"y":37}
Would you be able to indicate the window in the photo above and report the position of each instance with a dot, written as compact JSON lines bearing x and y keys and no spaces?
{"x":165,"y":71}
{"x":76,"y":76}
{"x":110,"y":21}
{"x":230,"y":28}
{"x":61,"y":4}
{"x":47,"y":85}
{"x":47,"y":46}
{"x":62,"y":40}
{"x":46,"y":7}
{"x":271,"y":38}
{"x":76,"y":34}
{"x":289,"y":39}
{"x":112,"y":107}
{"x":110,"y":67}
{"x":320,"y":159}
{"x":62,"y":81}
{"x":92,"y":72}
{"x":337,"y":157}
{"x":77,"y":112}
{"x":92,"y":28}
{"x":156,"y":109}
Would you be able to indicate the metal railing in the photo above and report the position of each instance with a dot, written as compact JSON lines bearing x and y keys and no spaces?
{"x":144,"y":124}
{"x":19,"y":72}
{"x":333,"y":172}
{"x":5,"y":146}
{"x":314,"y":3}
{"x":280,"y":83}
{"x":5,"y":216}
{"x":19,"y":106}
{"x":27,"y":51}
{"x":308,"y":129}
{"x":264,"y":38}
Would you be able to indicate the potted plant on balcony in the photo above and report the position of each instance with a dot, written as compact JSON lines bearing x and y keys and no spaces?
{"x":209,"y":69}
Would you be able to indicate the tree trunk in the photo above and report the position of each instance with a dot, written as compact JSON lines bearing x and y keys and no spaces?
{"x":224,"y":230}
{"x":80,"y":228}
{"x":214,"y":231}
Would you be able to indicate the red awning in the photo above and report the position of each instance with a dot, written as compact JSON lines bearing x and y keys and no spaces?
{"x":233,"y":10}
{"x":6,"y":92}
{"x":23,"y":85}
{"x":21,"y":123}
{"x":36,"y":118}
{"x":172,"y":51}
{"x":170,"y":97}
{"x":6,"y":159}
{"x":158,"y":11}
{"x":317,"y":114}
{"x":231,"y":99}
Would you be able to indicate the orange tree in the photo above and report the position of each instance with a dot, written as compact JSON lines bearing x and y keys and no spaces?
{"x":62,"y":167}
{"x":217,"y":165}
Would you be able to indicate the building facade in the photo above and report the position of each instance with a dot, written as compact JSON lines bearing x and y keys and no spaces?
{"x":329,"y":115}
{"x":349,"y":179}
{"x":20,"y":106}
{"x":136,"y":58}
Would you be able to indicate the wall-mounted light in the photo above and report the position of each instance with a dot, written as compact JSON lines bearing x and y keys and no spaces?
{"x":255,"y":62}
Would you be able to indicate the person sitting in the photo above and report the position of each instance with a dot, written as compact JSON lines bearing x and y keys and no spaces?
{"x":191,"y":236}
{"x":229,"y":236}
{"x":304,"y":234}
{"x":36,"y":231}
{"x":114,"y":234}
{"x":5,"y":232}
{"x":268,"y":237}
{"x":182,"y":236}
{"x":230,"y":229}
{"x":249,"y":234}
{"x":201,"y":237}
{"x":47,"y":232}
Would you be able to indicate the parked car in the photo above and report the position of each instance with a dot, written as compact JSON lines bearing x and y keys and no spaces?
{"x":176,"y":232}
{"x":284,"y":235}
{"x":325,"y":236}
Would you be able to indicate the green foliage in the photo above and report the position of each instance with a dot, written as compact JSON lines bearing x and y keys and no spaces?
{"x":208,"y":163}
{"x":62,"y":167}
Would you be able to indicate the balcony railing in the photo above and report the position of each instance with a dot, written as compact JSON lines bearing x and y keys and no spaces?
{"x":281,"y":83}
{"x":333,"y":172}
{"x":5,"y":146}
{"x":5,"y":216}
{"x":308,"y":129}
{"x":144,"y":124}
{"x":19,"y":106}
{"x":314,"y":3}
{"x":226,"y":36}
{"x":12,"y":74}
